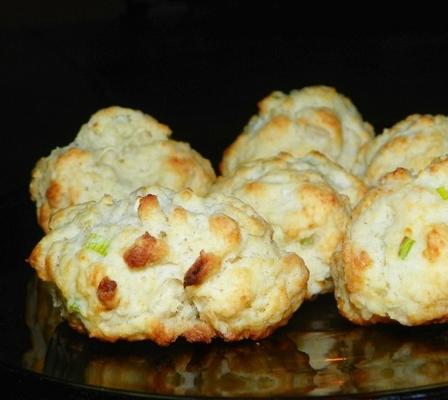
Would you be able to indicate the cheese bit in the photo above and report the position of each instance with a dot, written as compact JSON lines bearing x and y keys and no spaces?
{"x":97,"y":243}
{"x":307,"y":241}
{"x":405,"y":247}
{"x":443,"y":193}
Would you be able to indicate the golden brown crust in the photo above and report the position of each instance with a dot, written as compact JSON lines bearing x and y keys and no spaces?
{"x":292,"y":122}
{"x":227,"y":228}
{"x":436,"y":242}
{"x":328,"y":118}
{"x":357,"y":263}
{"x":438,"y":165}
{"x":96,"y":274}
{"x":182,"y":165}
{"x":54,"y":194}
{"x":180,"y":215}
{"x":117,"y":151}
{"x":73,"y":155}
{"x":203,"y":333}
{"x":411,"y":143}
{"x":146,"y":205}
{"x":259,"y":334}
{"x":35,"y":258}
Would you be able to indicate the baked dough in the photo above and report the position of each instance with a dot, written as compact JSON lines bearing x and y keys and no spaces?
{"x":160,"y":264}
{"x":313,"y":118}
{"x":306,"y":200}
{"x":412,"y":144}
{"x":392,"y":266}
{"x":115,"y":152}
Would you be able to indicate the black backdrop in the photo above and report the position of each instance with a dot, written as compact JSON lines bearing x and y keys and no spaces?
{"x":199,"y":67}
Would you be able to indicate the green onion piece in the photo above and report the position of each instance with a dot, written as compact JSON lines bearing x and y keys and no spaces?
{"x":73,"y":307}
{"x":97,"y":243}
{"x":405,"y":247}
{"x":443,"y":193}
{"x":307,"y":241}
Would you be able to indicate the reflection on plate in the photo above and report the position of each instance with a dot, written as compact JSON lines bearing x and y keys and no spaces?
{"x":318,"y":353}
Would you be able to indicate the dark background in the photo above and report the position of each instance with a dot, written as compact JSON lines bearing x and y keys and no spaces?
{"x":199,"y":67}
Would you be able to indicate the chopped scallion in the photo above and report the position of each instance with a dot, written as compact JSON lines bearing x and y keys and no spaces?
{"x":307,"y":241}
{"x":443,"y":192}
{"x":73,"y":307}
{"x":405,"y":247}
{"x":97,"y":243}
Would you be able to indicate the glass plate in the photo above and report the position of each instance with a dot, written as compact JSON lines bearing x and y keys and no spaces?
{"x":317,"y":354}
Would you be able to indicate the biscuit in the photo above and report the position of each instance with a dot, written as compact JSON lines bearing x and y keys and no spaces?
{"x":313,"y":118}
{"x":162,"y":264}
{"x":115,"y":152}
{"x":307,"y":202}
{"x":412,"y":144}
{"x":392,"y":266}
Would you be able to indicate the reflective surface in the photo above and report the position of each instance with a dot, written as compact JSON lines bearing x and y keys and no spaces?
{"x":317,"y":354}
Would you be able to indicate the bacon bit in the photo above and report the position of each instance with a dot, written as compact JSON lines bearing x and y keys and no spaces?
{"x":146,"y":250}
{"x":201,"y":268}
{"x":106,"y":292}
